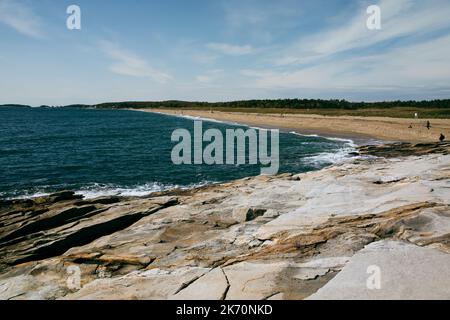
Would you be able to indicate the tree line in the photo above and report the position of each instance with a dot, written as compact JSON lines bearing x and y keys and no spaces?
{"x":276,"y":104}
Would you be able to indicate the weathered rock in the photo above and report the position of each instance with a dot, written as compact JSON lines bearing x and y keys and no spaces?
{"x":141,"y":285}
{"x":53,"y":232}
{"x":247,"y":214}
{"x":294,"y":234}
{"x":316,"y":268}
{"x":211,"y":286}
{"x":64,"y":196}
{"x":405,"y":271}
{"x":403,"y":149}
{"x":253,"y":280}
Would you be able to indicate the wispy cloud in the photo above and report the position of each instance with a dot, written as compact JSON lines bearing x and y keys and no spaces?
{"x":263,"y":48}
{"x":414,"y":67}
{"x":407,"y":58}
{"x":129,"y":64}
{"x":260,"y":20}
{"x":209,"y":76}
{"x":204,"y":57}
{"x":230,"y":49}
{"x":17,"y":15}
{"x":400,"y":18}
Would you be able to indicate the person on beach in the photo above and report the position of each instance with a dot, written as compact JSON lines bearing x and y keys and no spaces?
{"x":442,"y":138}
{"x":428,"y":125}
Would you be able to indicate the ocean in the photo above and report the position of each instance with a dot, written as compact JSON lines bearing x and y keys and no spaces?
{"x":121,"y":152}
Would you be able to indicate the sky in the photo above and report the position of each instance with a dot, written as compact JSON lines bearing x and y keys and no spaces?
{"x":222,"y":50}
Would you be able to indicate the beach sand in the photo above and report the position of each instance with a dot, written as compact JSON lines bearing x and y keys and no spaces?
{"x":359,"y":129}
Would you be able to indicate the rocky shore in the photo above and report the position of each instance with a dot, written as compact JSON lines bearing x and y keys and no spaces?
{"x":304,"y":236}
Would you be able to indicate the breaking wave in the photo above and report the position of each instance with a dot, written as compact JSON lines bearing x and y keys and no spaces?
{"x":97,"y":190}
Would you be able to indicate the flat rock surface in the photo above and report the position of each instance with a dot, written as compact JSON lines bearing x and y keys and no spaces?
{"x":211,"y":286}
{"x":405,"y":271}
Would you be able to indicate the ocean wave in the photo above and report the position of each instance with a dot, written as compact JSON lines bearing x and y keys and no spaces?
{"x":200,"y":118}
{"x":97,"y":190}
{"x":328,"y":158}
{"x":101,"y":190}
{"x":347,"y":141}
{"x":23,"y":195}
{"x":304,"y":135}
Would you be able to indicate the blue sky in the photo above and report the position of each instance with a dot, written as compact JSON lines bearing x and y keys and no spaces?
{"x":214,"y":50}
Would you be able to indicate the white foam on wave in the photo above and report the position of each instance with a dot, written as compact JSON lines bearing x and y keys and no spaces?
{"x":213,"y":120}
{"x":347,"y":141}
{"x":329,"y":158}
{"x":98,"y":190}
{"x":196,"y":118}
{"x":26,"y":195}
{"x":304,"y":135}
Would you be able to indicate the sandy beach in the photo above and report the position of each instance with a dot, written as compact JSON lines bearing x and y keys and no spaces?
{"x":359,"y":129}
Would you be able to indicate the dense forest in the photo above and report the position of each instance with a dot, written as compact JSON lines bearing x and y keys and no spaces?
{"x":396,"y":109}
{"x":301,"y":104}
{"x":280,"y":104}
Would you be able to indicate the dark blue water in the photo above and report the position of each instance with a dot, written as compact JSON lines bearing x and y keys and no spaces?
{"x":99,"y":152}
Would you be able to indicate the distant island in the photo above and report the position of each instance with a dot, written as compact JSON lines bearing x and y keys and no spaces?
{"x":15,"y":105}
